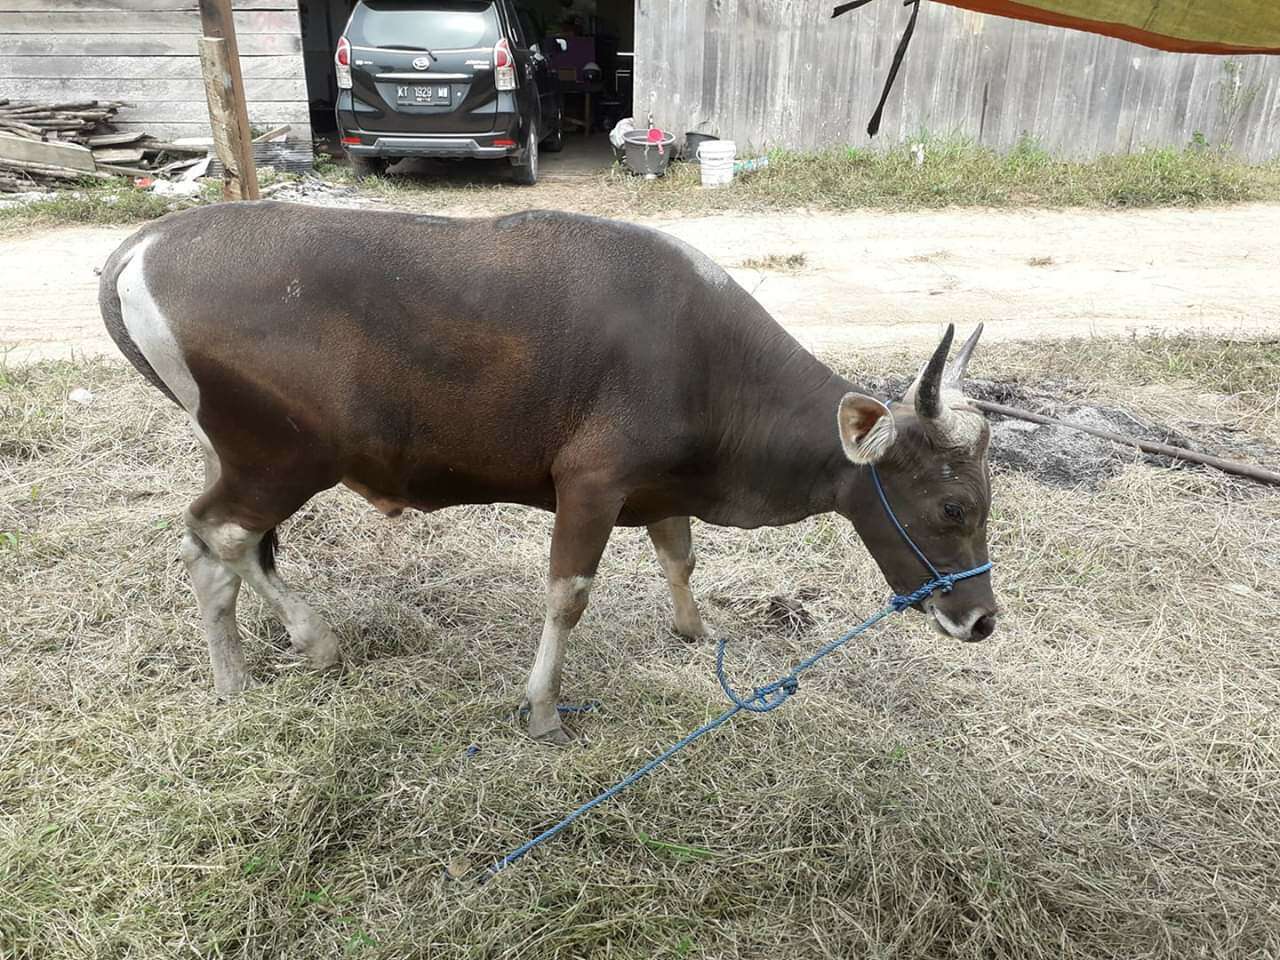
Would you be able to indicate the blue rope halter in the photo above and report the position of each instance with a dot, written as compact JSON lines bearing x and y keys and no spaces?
{"x":768,"y":697}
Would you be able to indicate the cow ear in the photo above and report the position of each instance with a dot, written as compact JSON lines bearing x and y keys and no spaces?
{"x":867,"y":430}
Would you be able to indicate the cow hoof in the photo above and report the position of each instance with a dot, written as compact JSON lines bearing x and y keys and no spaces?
{"x":230,"y":691}
{"x":546,"y":730}
{"x":330,"y":660}
{"x":553,"y":736}
{"x":690,"y":633}
{"x":321,"y":651}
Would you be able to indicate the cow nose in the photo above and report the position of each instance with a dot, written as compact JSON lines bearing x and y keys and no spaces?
{"x":984,"y":627}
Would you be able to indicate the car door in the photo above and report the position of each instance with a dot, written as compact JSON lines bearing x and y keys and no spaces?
{"x":528,"y":90}
{"x":544,"y":75}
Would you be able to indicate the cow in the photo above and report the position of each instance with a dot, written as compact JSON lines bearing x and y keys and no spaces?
{"x":600,"y":370}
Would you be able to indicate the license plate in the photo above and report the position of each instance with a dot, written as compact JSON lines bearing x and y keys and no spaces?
{"x":423,"y":94}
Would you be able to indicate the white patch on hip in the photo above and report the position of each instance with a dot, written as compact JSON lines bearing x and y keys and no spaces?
{"x":151,"y":333}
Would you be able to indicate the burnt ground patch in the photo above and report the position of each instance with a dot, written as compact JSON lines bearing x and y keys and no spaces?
{"x":1061,"y":456}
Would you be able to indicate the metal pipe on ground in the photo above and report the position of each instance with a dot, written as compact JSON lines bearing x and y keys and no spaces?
{"x":1234,"y":467}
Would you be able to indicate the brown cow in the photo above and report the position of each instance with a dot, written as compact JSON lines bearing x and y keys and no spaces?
{"x":600,"y":370}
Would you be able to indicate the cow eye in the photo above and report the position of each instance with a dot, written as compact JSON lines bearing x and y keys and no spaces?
{"x":953,"y":511}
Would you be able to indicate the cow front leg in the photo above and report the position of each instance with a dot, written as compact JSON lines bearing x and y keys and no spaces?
{"x":673,"y":541}
{"x":582,"y":527}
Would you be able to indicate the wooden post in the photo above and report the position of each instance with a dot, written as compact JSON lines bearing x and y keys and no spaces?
{"x":224,"y":88}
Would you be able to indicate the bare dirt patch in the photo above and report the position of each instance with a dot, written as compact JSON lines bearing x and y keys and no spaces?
{"x":871,"y":279}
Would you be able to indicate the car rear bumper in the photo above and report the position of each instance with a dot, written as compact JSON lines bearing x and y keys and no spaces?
{"x":401,"y":145}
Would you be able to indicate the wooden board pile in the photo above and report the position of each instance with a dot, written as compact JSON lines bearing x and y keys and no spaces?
{"x":45,"y":145}
{"x":56,"y":121}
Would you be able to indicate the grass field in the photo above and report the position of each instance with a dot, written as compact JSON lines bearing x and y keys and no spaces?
{"x":1101,"y":779}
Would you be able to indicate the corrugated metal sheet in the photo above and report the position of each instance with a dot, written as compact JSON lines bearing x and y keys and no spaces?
{"x":782,"y":73}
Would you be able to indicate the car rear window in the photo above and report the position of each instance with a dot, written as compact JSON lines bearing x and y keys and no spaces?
{"x":419,"y":26}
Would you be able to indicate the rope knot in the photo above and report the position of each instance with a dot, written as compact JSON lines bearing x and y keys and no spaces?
{"x":791,"y":686}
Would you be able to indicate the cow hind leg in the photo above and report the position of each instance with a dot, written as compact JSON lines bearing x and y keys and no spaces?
{"x":583,"y":523}
{"x":673,"y":541}
{"x":216,"y":589}
{"x":249,"y":555}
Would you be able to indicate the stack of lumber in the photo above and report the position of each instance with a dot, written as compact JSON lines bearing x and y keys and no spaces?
{"x":44,"y":145}
{"x":27,"y":164}
{"x":56,"y":121}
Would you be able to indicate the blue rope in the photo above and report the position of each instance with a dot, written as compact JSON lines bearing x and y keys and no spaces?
{"x":884,"y":500}
{"x":762,"y":699}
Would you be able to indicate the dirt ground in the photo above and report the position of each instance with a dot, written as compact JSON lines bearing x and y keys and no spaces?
{"x":868,"y":279}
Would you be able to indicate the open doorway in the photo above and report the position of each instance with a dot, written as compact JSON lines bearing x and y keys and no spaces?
{"x":594,"y":68}
{"x":322,"y":22}
{"x":596,"y":71}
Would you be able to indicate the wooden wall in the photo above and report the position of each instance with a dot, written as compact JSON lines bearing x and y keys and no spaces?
{"x":144,"y":52}
{"x":782,"y":73}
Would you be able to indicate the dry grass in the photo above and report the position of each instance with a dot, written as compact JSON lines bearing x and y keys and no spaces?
{"x":776,"y":262}
{"x":1099,"y":780}
{"x":955,"y":173}
{"x":109,"y":203}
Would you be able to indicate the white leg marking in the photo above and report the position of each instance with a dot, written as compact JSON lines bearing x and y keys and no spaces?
{"x":216,"y":590}
{"x":566,"y":600}
{"x":238,"y":549}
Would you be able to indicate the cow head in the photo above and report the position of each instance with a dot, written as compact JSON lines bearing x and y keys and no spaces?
{"x":930,"y":449}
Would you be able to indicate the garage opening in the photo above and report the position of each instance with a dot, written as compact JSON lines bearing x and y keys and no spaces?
{"x":588,"y":44}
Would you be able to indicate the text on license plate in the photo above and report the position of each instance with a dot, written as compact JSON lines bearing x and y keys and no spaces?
{"x":423,"y":93}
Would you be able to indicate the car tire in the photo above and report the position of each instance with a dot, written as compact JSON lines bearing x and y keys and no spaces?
{"x":555,"y":142}
{"x":362,"y":167}
{"x":526,"y":173}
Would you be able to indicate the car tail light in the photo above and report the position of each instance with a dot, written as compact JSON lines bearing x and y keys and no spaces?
{"x":355,"y":140}
{"x":342,"y":63}
{"x":504,"y":143}
{"x":504,"y":66}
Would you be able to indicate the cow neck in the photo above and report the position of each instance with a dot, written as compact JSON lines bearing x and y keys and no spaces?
{"x":781,"y":452}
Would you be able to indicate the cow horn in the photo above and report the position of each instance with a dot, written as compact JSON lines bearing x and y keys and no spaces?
{"x":927,"y":390}
{"x":958,"y":368}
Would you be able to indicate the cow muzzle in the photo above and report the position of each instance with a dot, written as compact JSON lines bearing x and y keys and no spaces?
{"x":971,"y":626}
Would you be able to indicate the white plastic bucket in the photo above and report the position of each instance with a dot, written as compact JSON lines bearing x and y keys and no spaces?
{"x":715,"y":159}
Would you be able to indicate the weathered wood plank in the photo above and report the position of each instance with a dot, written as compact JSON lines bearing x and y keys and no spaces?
{"x":781,"y":73}
{"x":139,"y":91}
{"x":143,"y":68}
{"x":176,"y":130}
{"x":117,"y":155}
{"x":52,"y":6}
{"x":68,"y":155}
{"x":69,"y":22}
{"x":227,"y":111}
{"x":139,"y":45}
{"x":197,"y":111}
{"x":57,"y":6}
{"x":112,"y":139}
